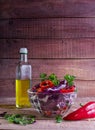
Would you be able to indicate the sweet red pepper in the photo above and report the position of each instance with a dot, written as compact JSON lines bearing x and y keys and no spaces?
{"x":84,"y":112}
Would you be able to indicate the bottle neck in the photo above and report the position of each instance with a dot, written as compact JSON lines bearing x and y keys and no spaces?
{"x":23,"y":57}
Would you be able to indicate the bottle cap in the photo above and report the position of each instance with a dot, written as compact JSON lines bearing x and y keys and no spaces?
{"x":23,"y":50}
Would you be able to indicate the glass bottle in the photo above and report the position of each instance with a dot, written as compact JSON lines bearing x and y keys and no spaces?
{"x":23,"y":80}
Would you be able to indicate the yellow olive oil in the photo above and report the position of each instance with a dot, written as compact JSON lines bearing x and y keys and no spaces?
{"x":22,"y":99}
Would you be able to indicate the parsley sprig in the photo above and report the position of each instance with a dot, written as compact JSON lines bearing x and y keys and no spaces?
{"x":52,"y":77}
{"x":59,"y":119}
{"x":69,"y":79}
{"x":20,"y":119}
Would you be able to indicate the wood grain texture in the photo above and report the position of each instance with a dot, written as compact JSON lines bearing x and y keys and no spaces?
{"x":84,"y":88}
{"x":7,"y":88}
{"x":47,"y":8}
{"x":82,"y":69}
{"x":43,"y":123}
{"x":54,"y":28}
{"x":46,"y":48}
{"x":59,"y":35}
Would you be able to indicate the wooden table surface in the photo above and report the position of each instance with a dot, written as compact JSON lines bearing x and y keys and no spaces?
{"x":43,"y":123}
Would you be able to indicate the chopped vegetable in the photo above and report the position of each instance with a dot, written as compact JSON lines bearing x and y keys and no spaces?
{"x":19,"y":119}
{"x":52,"y":96}
{"x":51,"y":83}
{"x":45,"y":84}
{"x":52,"y":77}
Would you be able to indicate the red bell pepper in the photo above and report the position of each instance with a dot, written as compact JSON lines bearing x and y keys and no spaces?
{"x":71,"y":89}
{"x":84,"y":112}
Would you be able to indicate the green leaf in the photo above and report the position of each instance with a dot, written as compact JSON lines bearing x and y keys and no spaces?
{"x":69,"y":79}
{"x":59,"y":119}
{"x":20,"y":119}
{"x":43,"y":76}
{"x":53,"y":78}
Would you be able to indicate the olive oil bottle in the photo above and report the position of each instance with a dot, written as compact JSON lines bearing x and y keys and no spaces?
{"x":23,"y":80}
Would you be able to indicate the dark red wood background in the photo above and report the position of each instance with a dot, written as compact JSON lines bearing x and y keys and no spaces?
{"x":60,"y":37}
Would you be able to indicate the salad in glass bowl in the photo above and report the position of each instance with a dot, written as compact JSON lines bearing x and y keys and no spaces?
{"x":52,"y":97}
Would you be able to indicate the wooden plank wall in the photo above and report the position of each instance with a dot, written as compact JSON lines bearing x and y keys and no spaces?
{"x":60,"y":37}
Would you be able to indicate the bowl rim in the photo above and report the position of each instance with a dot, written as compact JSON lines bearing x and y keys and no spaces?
{"x":31,"y":92}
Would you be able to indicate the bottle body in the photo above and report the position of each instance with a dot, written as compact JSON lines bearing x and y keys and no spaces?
{"x":23,"y":83}
{"x":22,"y":99}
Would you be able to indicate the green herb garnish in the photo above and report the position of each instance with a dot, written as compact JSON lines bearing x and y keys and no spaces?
{"x":69,"y":79}
{"x":19,"y":119}
{"x":43,"y":76}
{"x":55,"y":80}
{"x":52,"y":77}
{"x":59,"y":119}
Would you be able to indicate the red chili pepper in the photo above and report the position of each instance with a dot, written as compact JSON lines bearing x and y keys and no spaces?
{"x":84,"y":112}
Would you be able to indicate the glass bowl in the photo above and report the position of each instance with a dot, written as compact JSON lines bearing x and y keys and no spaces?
{"x":52,"y":104}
